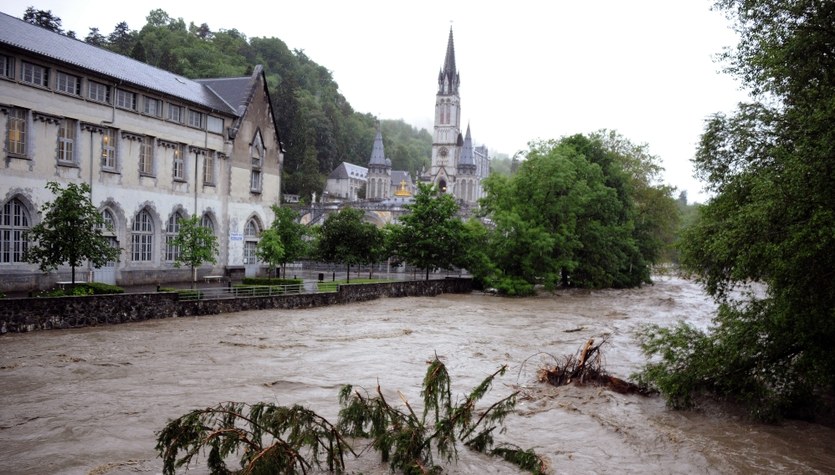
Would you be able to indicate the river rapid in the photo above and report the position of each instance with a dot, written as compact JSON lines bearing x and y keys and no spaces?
{"x":89,"y":401}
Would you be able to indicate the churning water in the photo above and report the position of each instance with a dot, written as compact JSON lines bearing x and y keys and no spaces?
{"x":90,"y":400}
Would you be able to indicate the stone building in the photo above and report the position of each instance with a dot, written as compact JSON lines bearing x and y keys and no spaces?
{"x":457,"y":167}
{"x":155,"y":148}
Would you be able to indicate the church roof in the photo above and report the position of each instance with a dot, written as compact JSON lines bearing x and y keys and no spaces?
{"x":449,"y":73}
{"x":378,"y":153}
{"x":347,"y":170}
{"x":18,"y":34}
{"x":467,"y":150}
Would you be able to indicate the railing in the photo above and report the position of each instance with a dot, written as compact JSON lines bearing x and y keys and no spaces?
{"x":215,"y":293}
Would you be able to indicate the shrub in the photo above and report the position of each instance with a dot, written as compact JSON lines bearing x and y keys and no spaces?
{"x":270,"y":281}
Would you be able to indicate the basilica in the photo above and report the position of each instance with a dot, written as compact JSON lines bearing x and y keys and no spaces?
{"x":457,"y":167}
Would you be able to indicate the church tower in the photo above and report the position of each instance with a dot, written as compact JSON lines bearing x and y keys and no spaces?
{"x":447,"y":141}
{"x":379,"y":171}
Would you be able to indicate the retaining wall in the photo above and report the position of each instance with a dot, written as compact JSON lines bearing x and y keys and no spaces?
{"x":30,"y":314}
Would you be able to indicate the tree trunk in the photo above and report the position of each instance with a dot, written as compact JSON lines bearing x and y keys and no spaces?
{"x":427,"y":273}
{"x":193,"y":277}
{"x":348,"y":275}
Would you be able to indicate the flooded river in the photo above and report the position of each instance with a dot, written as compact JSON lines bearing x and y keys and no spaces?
{"x":90,"y":400}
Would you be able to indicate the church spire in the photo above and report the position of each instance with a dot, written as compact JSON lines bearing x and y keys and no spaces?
{"x":448,"y":78}
{"x":378,"y":153}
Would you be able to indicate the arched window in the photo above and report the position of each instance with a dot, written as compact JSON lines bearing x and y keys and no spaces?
{"x":142,"y":237}
{"x":172,"y":228}
{"x":251,"y":233}
{"x":14,"y":222}
{"x":258,"y":152}
{"x":207,"y":222}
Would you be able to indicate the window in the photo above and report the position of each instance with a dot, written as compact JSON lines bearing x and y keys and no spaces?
{"x":251,"y":233}
{"x":16,"y":132}
{"x":14,"y":222}
{"x":6,"y":66}
{"x":195,"y":119}
{"x":206,"y":222}
{"x":67,"y":83}
{"x":66,"y":141}
{"x":175,"y":113}
{"x":146,"y":156}
{"x":108,"y":232}
{"x":108,"y":149}
{"x":179,"y":164}
{"x":214,"y":125}
{"x":98,"y":92}
{"x":209,"y":168}
{"x":34,"y":74}
{"x":153,"y":106}
{"x":257,"y":152}
{"x":142,"y":237}
{"x":125,"y":99}
{"x":172,"y":252}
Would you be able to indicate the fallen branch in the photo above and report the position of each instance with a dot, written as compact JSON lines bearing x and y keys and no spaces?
{"x":586,"y":367}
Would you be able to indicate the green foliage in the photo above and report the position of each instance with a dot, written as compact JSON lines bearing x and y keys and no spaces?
{"x":197,"y":244}
{"x":346,"y":239}
{"x":270,"y":439}
{"x":292,"y":234}
{"x":71,"y":231}
{"x":407,"y":441}
{"x":270,"y":248}
{"x":430,"y":236}
{"x":771,"y":222}
{"x":583,"y":211}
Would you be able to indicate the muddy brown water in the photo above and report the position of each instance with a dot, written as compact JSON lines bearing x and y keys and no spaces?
{"x":90,"y":400}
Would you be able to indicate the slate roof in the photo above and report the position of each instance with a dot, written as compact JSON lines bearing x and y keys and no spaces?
{"x":378,"y":153}
{"x":348,"y":170}
{"x":467,"y":151}
{"x":400,"y":175}
{"x":18,"y":34}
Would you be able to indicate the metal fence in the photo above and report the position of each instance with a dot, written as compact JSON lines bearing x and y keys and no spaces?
{"x":249,"y":291}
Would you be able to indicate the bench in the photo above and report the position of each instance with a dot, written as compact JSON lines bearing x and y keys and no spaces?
{"x":212,"y":278}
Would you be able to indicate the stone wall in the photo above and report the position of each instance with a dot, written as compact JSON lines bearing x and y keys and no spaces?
{"x":23,"y":315}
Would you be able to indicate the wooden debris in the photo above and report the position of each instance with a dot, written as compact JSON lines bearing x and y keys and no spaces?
{"x":586,"y":368}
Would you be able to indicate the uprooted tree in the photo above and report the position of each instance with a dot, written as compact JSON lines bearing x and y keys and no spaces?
{"x":275,"y":439}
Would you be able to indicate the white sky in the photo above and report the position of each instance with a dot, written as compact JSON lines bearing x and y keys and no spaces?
{"x":529,"y":69}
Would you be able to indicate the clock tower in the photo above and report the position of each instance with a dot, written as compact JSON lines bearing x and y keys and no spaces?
{"x":447,"y":140}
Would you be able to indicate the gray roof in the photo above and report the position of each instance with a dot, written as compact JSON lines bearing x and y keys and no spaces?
{"x":349,"y":170}
{"x":378,"y":153}
{"x":16,"y":33}
{"x":467,"y":150}
{"x":400,"y":175}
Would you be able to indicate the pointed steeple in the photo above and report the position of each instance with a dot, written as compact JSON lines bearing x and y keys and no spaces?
{"x":448,"y":78}
{"x":467,"y":150}
{"x":378,"y":153}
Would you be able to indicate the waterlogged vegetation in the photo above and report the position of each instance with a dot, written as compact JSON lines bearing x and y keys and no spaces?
{"x":267,"y":438}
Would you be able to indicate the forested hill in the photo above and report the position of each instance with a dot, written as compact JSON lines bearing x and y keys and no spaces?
{"x":317,"y":124}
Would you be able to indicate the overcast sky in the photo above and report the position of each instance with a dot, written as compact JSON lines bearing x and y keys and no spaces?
{"x":529,"y":69}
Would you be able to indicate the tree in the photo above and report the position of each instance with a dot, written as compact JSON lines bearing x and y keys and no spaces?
{"x":43,"y":18}
{"x":342,"y":239}
{"x":430,"y":236}
{"x":70,"y":233}
{"x":95,"y":38}
{"x":197,"y":244}
{"x":771,"y":222}
{"x":122,"y":40}
{"x":291,"y":234}
{"x":270,"y":249}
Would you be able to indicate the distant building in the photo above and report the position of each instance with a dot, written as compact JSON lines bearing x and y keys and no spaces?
{"x":155,"y":148}
{"x":345,"y":182}
{"x":457,"y":167}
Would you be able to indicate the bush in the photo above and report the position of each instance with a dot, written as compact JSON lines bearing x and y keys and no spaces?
{"x":270,"y":281}
{"x":99,"y":288}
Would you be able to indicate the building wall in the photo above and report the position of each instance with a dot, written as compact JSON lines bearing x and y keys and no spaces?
{"x":229,"y":200}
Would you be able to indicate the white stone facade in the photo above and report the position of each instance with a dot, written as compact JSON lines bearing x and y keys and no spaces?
{"x":147,"y":152}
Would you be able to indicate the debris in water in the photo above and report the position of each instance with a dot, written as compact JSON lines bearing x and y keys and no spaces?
{"x":586,"y":368}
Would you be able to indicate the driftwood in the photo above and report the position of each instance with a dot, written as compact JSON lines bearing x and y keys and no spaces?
{"x":586,"y":367}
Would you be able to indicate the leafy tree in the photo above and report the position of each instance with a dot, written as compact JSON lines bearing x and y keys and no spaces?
{"x":431,"y":236}
{"x":198,"y":245}
{"x":342,"y":239}
{"x":70,"y":233}
{"x":43,"y":18}
{"x":771,"y":222}
{"x":291,"y":233}
{"x":270,"y":248}
{"x":122,"y":40}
